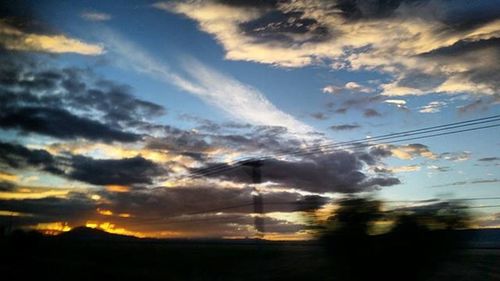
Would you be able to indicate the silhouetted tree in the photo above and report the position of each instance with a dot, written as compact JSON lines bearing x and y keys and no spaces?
{"x":418,"y":242}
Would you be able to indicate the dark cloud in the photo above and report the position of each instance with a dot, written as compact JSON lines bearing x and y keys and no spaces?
{"x":319,"y":116}
{"x":281,"y":27}
{"x":263,"y":4}
{"x":458,"y":15}
{"x":370,"y":112}
{"x":345,"y":127}
{"x":125,"y":171}
{"x":372,"y":9}
{"x":485,"y":181}
{"x":76,"y":209}
{"x":181,"y":142}
{"x":210,"y":126}
{"x":359,"y":102}
{"x":489,"y":159}
{"x":116,"y":103}
{"x":311,"y":202}
{"x":60,"y":124}
{"x":342,"y":110}
{"x":261,"y":140}
{"x":7,"y":186}
{"x":19,"y":157}
{"x":21,"y":15}
{"x":464,"y":46}
{"x":374,"y":155}
{"x":473,"y":182}
{"x":480,"y":104}
{"x":464,"y":15}
{"x":380,"y":152}
{"x":198,"y":200}
{"x":69,"y":103}
{"x":451,"y":184}
{"x":420,"y":80}
{"x":330,"y":105}
{"x":362,"y":101}
{"x":335,"y":172}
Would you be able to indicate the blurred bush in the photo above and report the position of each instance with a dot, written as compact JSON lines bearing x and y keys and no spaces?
{"x":416,"y":241}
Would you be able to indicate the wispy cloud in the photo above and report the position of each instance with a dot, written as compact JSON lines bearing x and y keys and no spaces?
{"x":432,"y":107}
{"x":239,"y":100}
{"x":472,"y":182}
{"x":95,"y":16}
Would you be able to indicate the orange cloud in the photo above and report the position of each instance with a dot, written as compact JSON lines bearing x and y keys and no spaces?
{"x":53,"y":228}
{"x":4,"y":176}
{"x":14,"y":39}
{"x":117,"y":188}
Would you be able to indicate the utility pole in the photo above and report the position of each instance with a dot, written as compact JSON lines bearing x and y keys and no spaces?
{"x":258,"y":205}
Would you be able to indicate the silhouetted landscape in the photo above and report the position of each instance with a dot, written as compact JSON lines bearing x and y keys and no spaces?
{"x":89,"y":255}
{"x":343,"y":251}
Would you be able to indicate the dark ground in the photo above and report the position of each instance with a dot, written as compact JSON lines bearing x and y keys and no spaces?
{"x":130,"y":259}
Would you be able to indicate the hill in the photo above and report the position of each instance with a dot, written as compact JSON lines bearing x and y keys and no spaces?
{"x":87,"y":233}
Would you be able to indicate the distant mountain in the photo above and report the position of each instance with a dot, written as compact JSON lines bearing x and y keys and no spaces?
{"x":87,"y":233}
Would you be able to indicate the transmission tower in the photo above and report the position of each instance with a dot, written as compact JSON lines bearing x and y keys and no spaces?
{"x":258,"y":205}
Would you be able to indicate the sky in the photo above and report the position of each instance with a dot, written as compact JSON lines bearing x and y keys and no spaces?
{"x":109,"y":110}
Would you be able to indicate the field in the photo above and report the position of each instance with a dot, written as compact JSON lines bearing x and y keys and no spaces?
{"x":52,"y":259}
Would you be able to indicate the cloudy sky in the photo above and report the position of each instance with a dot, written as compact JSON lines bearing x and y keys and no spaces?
{"x":109,"y":109}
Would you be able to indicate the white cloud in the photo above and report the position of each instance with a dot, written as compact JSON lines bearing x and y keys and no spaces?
{"x":348,"y":87}
{"x":239,"y":100}
{"x":353,"y":86}
{"x":398,"y":103}
{"x":14,"y":39}
{"x":393,"y":44}
{"x":432,"y":107}
{"x":330,"y":89}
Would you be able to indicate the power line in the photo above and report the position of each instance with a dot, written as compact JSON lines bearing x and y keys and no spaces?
{"x":381,"y":137}
{"x":355,"y":145}
{"x":414,"y":132}
{"x":317,"y":148}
